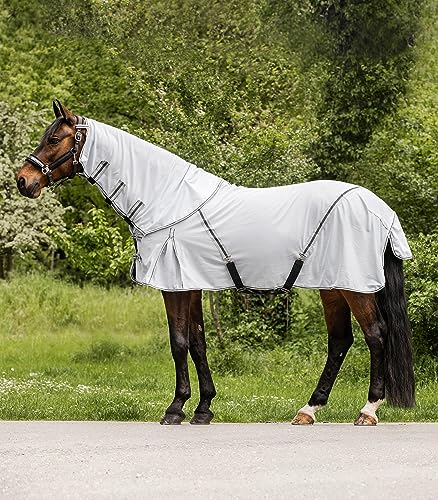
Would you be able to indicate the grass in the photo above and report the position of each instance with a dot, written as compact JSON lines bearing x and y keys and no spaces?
{"x":72,"y":353}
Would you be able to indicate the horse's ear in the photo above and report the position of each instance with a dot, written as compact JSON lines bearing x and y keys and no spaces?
{"x":61,"y":111}
{"x":56,"y":109}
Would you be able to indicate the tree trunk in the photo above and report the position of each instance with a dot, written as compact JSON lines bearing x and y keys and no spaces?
{"x":2,"y":266}
{"x":52,"y":260}
{"x":213,"y":298}
{"x":9,"y":260}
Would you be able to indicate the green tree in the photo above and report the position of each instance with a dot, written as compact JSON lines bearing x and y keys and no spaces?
{"x":23,"y":222}
{"x":369,"y":49}
{"x":400,"y":162}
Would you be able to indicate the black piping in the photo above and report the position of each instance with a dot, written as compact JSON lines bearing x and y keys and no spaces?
{"x":98,"y":171}
{"x":298,"y":264}
{"x":216,"y":239}
{"x":231,"y":266}
{"x":116,"y":190}
{"x":332,"y":206}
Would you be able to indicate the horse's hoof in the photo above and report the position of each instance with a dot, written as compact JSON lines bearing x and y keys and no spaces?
{"x":364,"y":419}
{"x":302,"y":419}
{"x":172,"y":418}
{"x":202,"y":418}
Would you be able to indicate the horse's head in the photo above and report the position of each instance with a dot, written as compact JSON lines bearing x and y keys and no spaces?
{"x":56,"y":157}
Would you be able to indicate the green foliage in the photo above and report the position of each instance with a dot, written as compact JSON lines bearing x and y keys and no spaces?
{"x":34,"y":305}
{"x":422,"y":290}
{"x":257,"y":321}
{"x":262,"y":321}
{"x":96,"y":249}
{"x":105,"y":350}
{"x":216,"y":83}
{"x":308,"y":332}
{"x":401,"y":162}
{"x":369,"y":48}
{"x":260,"y":92}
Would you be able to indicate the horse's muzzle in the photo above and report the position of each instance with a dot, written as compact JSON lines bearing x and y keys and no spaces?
{"x":28,"y":189}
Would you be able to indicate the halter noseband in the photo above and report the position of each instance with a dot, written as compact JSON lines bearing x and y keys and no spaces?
{"x":48,"y":168}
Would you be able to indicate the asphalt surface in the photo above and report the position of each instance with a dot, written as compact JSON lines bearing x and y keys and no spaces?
{"x":97,"y":460}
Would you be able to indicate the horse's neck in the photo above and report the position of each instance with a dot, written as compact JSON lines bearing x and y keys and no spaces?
{"x":169,"y":186}
{"x":125,"y":151}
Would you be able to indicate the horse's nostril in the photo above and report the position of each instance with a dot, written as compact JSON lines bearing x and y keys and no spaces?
{"x":21,"y":183}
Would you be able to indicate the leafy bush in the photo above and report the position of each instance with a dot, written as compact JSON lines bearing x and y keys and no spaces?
{"x":294,"y":321}
{"x":369,"y":48}
{"x":256,"y":321}
{"x":234,"y":359}
{"x":422,"y":292}
{"x":400,"y":163}
{"x":307,"y":332}
{"x":95,"y":250}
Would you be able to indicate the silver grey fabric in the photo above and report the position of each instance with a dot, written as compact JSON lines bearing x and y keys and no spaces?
{"x":188,"y":223}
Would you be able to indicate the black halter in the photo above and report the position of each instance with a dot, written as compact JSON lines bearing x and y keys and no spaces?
{"x":48,"y":168}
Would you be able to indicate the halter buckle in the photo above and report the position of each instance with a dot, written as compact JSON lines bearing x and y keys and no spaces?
{"x":45,"y":170}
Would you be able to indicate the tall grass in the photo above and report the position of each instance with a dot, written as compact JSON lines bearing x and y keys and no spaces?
{"x":89,"y":353}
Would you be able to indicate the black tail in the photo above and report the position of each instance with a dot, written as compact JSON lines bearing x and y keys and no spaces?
{"x":399,"y":371}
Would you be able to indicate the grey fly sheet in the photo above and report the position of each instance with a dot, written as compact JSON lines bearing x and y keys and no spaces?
{"x":194,"y":230}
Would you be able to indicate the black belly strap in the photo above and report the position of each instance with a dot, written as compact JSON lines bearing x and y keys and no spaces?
{"x":293,"y":275}
{"x":235,"y":276}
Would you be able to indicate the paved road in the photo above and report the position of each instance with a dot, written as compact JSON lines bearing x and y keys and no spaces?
{"x":96,"y":460}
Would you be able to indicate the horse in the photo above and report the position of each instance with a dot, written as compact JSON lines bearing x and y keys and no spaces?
{"x":170,"y":204}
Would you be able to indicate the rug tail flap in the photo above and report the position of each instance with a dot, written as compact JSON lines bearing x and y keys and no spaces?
{"x":399,"y":243}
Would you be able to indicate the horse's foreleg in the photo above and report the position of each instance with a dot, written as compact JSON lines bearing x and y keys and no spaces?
{"x":338,"y":319}
{"x":178,"y":314}
{"x":198,"y":347}
{"x":365,"y":310}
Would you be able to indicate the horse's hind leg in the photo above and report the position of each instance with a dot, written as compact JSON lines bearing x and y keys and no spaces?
{"x":340,"y":338}
{"x":178,"y":314}
{"x":198,"y":347}
{"x":365,"y":310}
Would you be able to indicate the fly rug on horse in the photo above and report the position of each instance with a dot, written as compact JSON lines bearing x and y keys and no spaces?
{"x":194,"y":231}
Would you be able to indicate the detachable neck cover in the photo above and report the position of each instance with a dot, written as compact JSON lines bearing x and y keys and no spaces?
{"x":149,"y":186}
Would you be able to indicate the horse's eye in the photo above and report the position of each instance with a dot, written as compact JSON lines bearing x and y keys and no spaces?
{"x":53,"y":140}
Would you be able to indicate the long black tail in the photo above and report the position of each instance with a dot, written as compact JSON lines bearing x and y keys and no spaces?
{"x":399,"y":370}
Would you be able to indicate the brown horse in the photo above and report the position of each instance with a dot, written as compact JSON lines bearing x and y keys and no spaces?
{"x":382,"y":315}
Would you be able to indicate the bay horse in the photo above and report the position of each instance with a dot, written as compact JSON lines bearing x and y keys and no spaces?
{"x":73,"y":145}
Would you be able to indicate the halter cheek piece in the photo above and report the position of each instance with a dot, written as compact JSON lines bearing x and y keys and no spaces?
{"x":48,"y":168}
